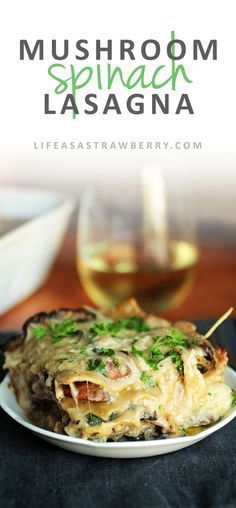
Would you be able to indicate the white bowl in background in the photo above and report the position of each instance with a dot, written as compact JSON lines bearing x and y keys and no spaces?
{"x":121,"y":450}
{"x":28,"y":251}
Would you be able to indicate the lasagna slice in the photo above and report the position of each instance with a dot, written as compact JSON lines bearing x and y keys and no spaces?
{"x":124,"y":376}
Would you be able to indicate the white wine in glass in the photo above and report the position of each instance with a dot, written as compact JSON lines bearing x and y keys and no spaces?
{"x":132,"y":244}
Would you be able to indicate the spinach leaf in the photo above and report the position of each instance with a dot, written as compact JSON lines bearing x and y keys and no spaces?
{"x":147,"y":379}
{"x":93,"y":419}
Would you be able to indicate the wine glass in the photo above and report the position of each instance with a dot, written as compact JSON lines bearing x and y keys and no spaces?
{"x":137,"y":239}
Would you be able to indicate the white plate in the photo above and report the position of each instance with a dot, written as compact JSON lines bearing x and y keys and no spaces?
{"x":128,"y":449}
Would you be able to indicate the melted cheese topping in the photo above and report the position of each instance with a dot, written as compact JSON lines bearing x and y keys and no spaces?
{"x":138,"y":398}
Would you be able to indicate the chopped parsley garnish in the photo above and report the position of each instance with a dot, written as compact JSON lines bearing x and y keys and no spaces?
{"x":134,"y":323}
{"x":116,"y":362}
{"x":136,"y":352}
{"x":40,"y":332}
{"x":82,"y":350}
{"x":100,"y":328}
{"x":93,"y":419}
{"x":176,"y":358}
{"x":234,"y":398}
{"x":145,"y":378}
{"x":96,"y":364}
{"x":155,"y":354}
{"x":173,"y":338}
{"x":57,"y":331}
{"x":106,"y":352}
{"x":151,"y":356}
{"x":153,"y":362}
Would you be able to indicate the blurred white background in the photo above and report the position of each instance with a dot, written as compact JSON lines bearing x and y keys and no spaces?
{"x":210,"y":172}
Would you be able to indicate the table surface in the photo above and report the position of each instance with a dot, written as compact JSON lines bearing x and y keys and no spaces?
{"x":214,"y":290}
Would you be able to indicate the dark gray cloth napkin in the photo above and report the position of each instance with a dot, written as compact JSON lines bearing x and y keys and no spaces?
{"x":36,"y":474}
